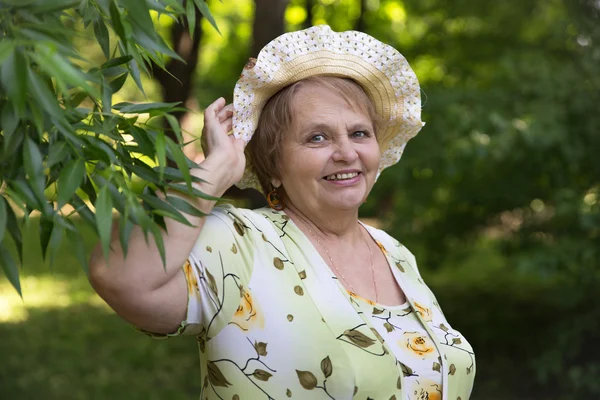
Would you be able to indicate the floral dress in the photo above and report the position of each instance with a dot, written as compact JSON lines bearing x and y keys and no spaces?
{"x":273,"y":322}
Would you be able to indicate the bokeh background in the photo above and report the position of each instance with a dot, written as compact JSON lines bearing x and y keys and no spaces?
{"x":498,"y":197}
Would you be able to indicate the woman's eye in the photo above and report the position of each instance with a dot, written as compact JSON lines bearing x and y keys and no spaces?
{"x":360,"y":134}
{"x":317,"y":138}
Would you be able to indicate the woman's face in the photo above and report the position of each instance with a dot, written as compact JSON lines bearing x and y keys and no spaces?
{"x":330,"y":156}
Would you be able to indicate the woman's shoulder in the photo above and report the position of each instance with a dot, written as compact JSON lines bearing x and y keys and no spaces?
{"x":390,"y":244}
{"x":245,"y":220}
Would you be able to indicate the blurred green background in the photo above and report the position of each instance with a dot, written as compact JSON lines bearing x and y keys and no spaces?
{"x":498,"y":197}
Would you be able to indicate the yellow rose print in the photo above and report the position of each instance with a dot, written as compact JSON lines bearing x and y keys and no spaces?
{"x":425,"y":389}
{"x":418,"y":344}
{"x":381,"y":247}
{"x":191,"y":279}
{"x":248,"y":314}
{"x":352,"y":294}
{"x":423,"y":312}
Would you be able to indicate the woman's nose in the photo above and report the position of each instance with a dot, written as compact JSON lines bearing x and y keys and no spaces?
{"x":345,"y":151}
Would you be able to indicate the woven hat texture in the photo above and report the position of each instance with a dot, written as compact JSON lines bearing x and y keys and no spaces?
{"x":382,"y":72}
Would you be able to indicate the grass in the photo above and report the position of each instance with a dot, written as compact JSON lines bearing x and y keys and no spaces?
{"x":62,"y":342}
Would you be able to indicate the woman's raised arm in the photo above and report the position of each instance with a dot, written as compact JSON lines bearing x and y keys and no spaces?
{"x":138,"y":287}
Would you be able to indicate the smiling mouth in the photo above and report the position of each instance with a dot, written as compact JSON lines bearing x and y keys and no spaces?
{"x":341,"y":177}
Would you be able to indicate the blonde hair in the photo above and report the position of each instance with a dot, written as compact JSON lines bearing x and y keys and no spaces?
{"x":265,"y":148}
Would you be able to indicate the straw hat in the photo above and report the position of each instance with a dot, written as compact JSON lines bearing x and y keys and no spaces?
{"x":382,"y":72}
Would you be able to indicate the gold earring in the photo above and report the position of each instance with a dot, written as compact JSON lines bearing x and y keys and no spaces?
{"x":275,"y":199}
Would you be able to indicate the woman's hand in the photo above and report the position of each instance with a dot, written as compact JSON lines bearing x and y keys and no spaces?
{"x":223,"y":152}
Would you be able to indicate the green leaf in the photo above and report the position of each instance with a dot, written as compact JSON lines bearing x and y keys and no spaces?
{"x":173,"y":174}
{"x":50,"y":7}
{"x":125,"y":228}
{"x":113,"y":62}
{"x":75,"y":115}
{"x":203,"y":7}
{"x":40,"y":34}
{"x":21,"y":67}
{"x":140,"y":136}
{"x":24,"y":191}
{"x":69,"y":181}
{"x":100,"y":149}
{"x":7,"y":46}
{"x":3,"y":217}
{"x":147,"y":174}
{"x":37,"y":116}
{"x":76,"y":243}
{"x":135,"y":73}
{"x":57,"y":153}
{"x":14,"y":229}
{"x":9,"y":122}
{"x":84,"y":211}
{"x":138,"y":14}
{"x":117,"y":83}
{"x":106,"y":96}
{"x":163,"y":208}
{"x":181,"y":161}
{"x":32,"y":158}
{"x":101,"y":33}
{"x":178,"y":187}
{"x":10,"y":268}
{"x":190,"y":10}
{"x":142,"y":108}
{"x":61,"y":69}
{"x":117,"y":197}
{"x":45,"y":231}
{"x":174,"y":4}
{"x":184,"y":206}
{"x":157,"y":45}
{"x":88,"y":188}
{"x":104,"y":219}
{"x":117,"y":21}
{"x":161,"y":153}
{"x":55,"y":240}
{"x":160,"y":244}
{"x":44,"y":96}
{"x":76,"y":98}
{"x":14,"y":79}
{"x":68,"y":132}
{"x":175,"y":127}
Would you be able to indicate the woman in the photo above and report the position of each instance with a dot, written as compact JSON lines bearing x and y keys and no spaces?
{"x":300,"y":299}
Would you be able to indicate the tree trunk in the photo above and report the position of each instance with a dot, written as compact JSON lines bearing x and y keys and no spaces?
{"x":360,"y":22}
{"x":308,"y":6}
{"x":268,"y":22}
{"x":177,"y":81}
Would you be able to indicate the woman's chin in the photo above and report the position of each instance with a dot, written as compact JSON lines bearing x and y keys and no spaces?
{"x":351,"y":203}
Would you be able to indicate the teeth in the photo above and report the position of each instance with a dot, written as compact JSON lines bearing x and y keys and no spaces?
{"x":341,"y":176}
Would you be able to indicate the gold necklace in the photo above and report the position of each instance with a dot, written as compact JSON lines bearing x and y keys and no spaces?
{"x":338,"y":272}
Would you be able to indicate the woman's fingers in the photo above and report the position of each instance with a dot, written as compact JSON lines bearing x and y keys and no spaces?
{"x":228,"y":125}
{"x":225,"y":112}
{"x":215,"y":106}
{"x":217,"y":124}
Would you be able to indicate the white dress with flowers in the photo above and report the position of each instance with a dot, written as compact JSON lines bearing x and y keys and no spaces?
{"x":273,"y":322}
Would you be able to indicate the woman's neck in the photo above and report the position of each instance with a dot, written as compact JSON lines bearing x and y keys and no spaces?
{"x":330,"y":226}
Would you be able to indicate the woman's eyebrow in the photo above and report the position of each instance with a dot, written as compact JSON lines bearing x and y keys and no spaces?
{"x":311,"y":127}
{"x":319,"y":126}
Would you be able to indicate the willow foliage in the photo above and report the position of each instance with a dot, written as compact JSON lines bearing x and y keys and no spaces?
{"x":65,"y":148}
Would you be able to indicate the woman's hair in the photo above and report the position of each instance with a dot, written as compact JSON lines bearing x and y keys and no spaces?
{"x":265,"y":148}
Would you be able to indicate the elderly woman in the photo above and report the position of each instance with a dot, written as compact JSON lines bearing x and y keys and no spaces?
{"x":301,"y":299}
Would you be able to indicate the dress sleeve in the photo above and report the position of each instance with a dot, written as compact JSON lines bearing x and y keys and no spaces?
{"x":217,"y":271}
